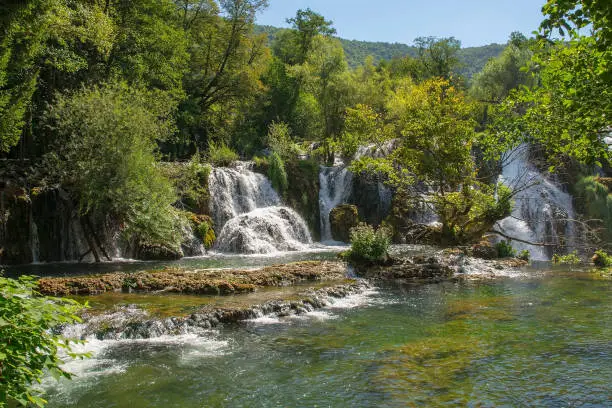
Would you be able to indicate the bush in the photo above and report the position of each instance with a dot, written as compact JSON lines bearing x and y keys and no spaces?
{"x":28,"y":345}
{"x":107,"y":154}
{"x":505,"y":250}
{"x":277,"y":173}
{"x":524,"y":255}
{"x":203,"y":228}
{"x":368,"y":244}
{"x":569,"y":259}
{"x":279,"y":140}
{"x":221,"y":155}
{"x":602,"y":259}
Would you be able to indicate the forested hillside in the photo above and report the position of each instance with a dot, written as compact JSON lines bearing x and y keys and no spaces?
{"x":472,"y":59}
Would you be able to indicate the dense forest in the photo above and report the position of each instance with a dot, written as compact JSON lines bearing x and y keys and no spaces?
{"x":471,"y":59}
{"x":97,"y":96}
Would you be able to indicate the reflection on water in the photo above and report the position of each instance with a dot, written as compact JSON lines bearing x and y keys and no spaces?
{"x":510,"y":342}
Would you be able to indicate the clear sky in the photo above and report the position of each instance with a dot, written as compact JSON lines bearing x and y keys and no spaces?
{"x":474,"y":22}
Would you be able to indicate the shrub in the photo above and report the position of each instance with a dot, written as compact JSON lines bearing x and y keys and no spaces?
{"x":569,"y":259}
{"x":505,"y":250}
{"x":279,"y":140}
{"x":368,"y":244}
{"x":277,"y":173}
{"x":107,"y":139}
{"x":221,"y":155}
{"x":203,"y":228}
{"x":602,"y":259}
{"x":28,"y":345}
{"x":524,"y":255}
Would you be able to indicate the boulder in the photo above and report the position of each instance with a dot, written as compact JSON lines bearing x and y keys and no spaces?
{"x":342,"y":219}
{"x":484,"y":250}
{"x":157,"y":252}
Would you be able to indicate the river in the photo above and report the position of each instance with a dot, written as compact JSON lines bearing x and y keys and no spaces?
{"x":540,"y":338}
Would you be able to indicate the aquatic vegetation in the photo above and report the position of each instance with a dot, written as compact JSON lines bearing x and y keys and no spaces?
{"x":602,"y":259}
{"x":569,"y":259}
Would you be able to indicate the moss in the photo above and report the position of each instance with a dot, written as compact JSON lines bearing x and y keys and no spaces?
{"x":342,"y":219}
{"x":303,"y":192}
{"x":201,"y":282}
{"x":203,"y":228}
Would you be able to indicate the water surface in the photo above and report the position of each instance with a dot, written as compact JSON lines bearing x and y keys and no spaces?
{"x":541,"y":341}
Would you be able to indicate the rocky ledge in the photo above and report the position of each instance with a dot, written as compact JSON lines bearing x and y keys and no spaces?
{"x":130,"y":322}
{"x":437,"y":267}
{"x":197,"y":282}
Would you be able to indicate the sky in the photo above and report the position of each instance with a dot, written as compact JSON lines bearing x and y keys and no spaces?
{"x":474,"y":22}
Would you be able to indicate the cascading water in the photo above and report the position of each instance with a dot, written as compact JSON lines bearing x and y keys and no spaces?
{"x":335,"y":189}
{"x":264,"y":230}
{"x":247,"y":212}
{"x":238,"y":190}
{"x":542,"y":211}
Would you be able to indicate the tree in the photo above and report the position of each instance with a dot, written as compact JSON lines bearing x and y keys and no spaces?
{"x":308,"y":25}
{"x":28,"y":345}
{"x":502,"y":74}
{"x":432,"y":162}
{"x":226,"y":64}
{"x":438,"y":57}
{"x":569,"y":113}
{"x":106,"y":155}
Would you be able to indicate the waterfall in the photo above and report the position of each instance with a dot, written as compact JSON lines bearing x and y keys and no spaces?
{"x":335,"y":188}
{"x":34,"y":241}
{"x":264,"y":230}
{"x":248,"y":214}
{"x":542,"y":209}
{"x":238,"y":190}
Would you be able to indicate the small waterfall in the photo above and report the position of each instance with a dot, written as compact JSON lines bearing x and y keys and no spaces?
{"x":238,"y":190}
{"x":264,"y":230}
{"x":248,"y":215}
{"x":34,"y":241}
{"x":542,"y":212}
{"x":335,"y":188}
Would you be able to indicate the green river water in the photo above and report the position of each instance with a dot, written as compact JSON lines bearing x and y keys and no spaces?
{"x":538,"y":339}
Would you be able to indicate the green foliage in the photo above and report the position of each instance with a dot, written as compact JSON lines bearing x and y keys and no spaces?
{"x":106,"y":154}
{"x":504,"y":73}
{"x":595,"y":200}
{"x":569,"y":259}
{"x":368,"y":244}
{"x":568,"y":112}
{"x":277,"y":173}
{"x":438,"y":57}
{"x":504,"y":250}
{"x":362,"y":126}
{"x":219,"y":154}
{"x":602,"y":259}
{"x":190,"y":181}
{"x":279,"y":140}
{"x":524,"y":255}
{"x":466,"y":215}
{"x":204,"y":229}
{"x":28,"y":345}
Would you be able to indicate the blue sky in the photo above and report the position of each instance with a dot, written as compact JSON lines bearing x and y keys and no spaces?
{"x":474,"y":22}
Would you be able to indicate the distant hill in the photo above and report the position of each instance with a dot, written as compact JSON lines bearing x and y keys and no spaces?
{"x":473,"y":59}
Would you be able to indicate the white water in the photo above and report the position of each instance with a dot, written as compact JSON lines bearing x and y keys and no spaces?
{"x":248,"y":216}
{"x":238,"y":190}
{"x":335,"y":188}
{"x":542,"y":211}
{"x":264,"y":230}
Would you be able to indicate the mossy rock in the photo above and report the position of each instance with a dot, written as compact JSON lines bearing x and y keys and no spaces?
{"x":484,"y":250}
{"x":158,"y":252}
{"x":203,"y":228}
{"x":342,"y":219}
